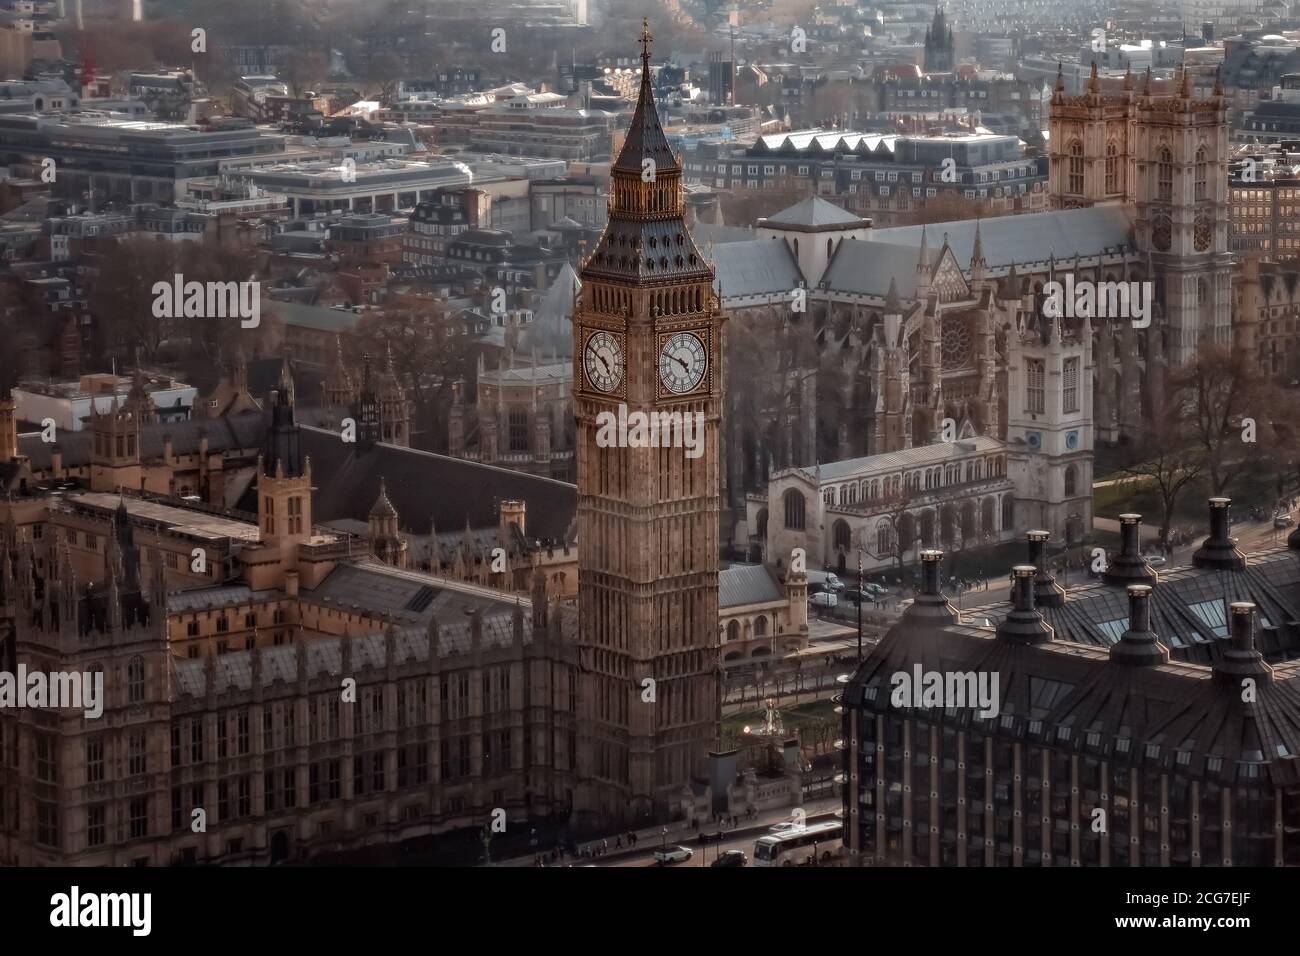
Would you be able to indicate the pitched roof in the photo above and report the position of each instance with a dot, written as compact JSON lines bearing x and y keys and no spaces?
{"x":755,"y":267}
{"x":424,"y":486}
{"x":245,"y":430}
{"x":1032,"y":237}
{"x":743,"y":584}
{"x":868,"y":268}
{"x":814,"y":211}
{"x":918,"y":457}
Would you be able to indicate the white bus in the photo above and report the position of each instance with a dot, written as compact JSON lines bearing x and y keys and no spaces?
{"x":821,"y":841}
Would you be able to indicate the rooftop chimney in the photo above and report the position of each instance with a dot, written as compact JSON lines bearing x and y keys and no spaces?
{"x":1139,"y":646}
{"x":1129,"y":567}
{"x":1024,"y":624}
{"x":1219,"y":550}
{"x":1240,"y":659}
{"x":1047,"y":593}
{"x":930,"y":607}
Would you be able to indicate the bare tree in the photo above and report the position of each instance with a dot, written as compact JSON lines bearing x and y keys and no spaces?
{"x":1237,"y":417}
{"x":905,"y":530}
{"x":430,"y":351}
{"x":122,"y":297}
{"x":1173,"y":458}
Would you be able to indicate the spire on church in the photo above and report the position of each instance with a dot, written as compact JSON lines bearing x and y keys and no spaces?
{"x":1146,"y":83}
{"x":977,"y":253}
{"x":285,"y":383}
{"x":1184,"y":83}
{"x":923,"y":254}
{"x":1094,"y":81}
{"x":1060,"y":77}
{"x":1218,"y":80}
{"x":282,"y":456}
{"x":892,"y":304}
{"x":1128,"y":77}
{"x":1009,"y":287}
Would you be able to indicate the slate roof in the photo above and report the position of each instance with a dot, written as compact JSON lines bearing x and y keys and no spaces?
{"x":756,"y":267}
{"x":551,"y":329}
{"x":814,"y":211}
{"x":1189,"y":609}
{"x":405,"y":595}
{"x":918,"y":457}
{"x":1174,"y":716}
{"x":707,"y":232}
{"x":1031,"y":237}
{"x":422,"y":485}
{"x":316,"y":317}
{"x":743,"y":584}
{"x":227,"y":433}
{"x":865,"y":268}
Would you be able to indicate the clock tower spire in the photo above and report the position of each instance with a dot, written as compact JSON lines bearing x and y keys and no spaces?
{"x":647,"y":397}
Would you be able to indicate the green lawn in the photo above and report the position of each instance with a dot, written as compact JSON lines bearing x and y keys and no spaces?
{"x":793,"y":718}
{"x":1249,"y":490}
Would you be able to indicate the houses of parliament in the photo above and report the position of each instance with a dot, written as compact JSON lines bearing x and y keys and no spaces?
{"x":313,"y":696}
{"x":310,"y":698}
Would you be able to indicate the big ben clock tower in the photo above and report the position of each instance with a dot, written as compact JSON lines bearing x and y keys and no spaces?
{"x":647,"y":340}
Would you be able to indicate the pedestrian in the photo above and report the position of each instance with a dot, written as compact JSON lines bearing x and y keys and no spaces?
{"x":618,"y":843}
{"x":604,"y":846}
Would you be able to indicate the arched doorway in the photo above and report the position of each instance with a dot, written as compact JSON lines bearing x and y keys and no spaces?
{"x":280,"y":847}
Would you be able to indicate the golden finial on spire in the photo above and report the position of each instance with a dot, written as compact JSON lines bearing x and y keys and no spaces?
{"x":646,"y":38}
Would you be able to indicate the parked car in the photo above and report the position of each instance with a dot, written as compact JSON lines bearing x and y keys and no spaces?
{"x":1154,"y":558}
{"x":673,"y":854}
{"x":875,"y":589}
{"x":731,"y":858}
{"x":1283,"y":521}
{"x":824,"y":599}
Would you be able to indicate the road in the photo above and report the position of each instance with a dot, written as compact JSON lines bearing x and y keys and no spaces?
{"x":742,"y":838}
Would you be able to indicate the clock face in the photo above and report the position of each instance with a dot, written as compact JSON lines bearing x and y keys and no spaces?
{"x":1161,"y":233}
{"x":1202,"y":233}
{"x":603,"y":361}
{"x":682,"y":363}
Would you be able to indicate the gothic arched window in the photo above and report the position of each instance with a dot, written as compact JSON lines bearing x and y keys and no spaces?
{"x":1071,"y":480}
{"x":761,"y":521}
{"x":794,"y":507}
{"x":884,"y":538}
{"x":1165,"y":176}
{"x":840,"y":532}
{"x":760,"y":626}
{"x":733,"y":630}
{"x":518,"y":423}
{"x":135,"y":680}
{"x":1008,"y":511}
{"x":1112,"y":167}
{"x":1075,"y":151}
{"x":1202,"y":175}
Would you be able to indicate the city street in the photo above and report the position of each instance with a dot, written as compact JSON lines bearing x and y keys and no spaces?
{"x":741,"y":837}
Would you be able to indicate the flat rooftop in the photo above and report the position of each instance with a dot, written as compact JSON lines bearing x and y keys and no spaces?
{"x":179,"y":520}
